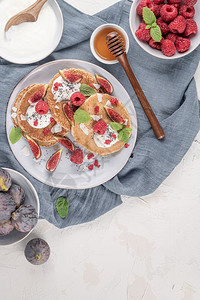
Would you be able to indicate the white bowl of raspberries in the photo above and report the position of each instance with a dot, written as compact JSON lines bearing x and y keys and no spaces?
{"x":178,"y":26}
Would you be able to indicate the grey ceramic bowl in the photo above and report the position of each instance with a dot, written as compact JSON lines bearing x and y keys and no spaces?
{"x":31,"y":197}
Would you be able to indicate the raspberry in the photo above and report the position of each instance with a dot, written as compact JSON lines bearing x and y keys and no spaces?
{"x":178,"y":25}
{"x":107,"y":142}
{"x":114,"y":136}
{"x":126,"y":145}
{"x":191,"y":27}
{"x":168,"y":48}
{"x":163,"y":26}
{"x":142,"y":33}
{"x":90,"y":155}
{"x":41,"y":108}
{"x":182,"y":44}
{"x":168,"y":12}
{"x":141,"y":5}
{"x":114,"y":101}
{"x":100,"y":127}
{"x":52,"y":121}
{"x":190,"y":2}
{"x":96,"y":109}
{"x":154,"y":8}
{"x":55,"y":88}
{"x":177,"y":5}
{"x":46,"y":131}
{"x":158,"y":1}
{"x":187,"y":11}
{"x":156,"y":45}
{"x":77,"y":99}
{"x":96,"y":163}
{"x":172,"y":37}
{"x":77,"y":157}
{"x":90,"y":167}
{"x":35,"y":123}
{"x":174,"y":1}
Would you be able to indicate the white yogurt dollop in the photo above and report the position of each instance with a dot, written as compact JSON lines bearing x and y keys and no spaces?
{"x":64,"y":91}
{"x":108,"y":135}
{"x":28,"y":39}
{"x":32,"y":116}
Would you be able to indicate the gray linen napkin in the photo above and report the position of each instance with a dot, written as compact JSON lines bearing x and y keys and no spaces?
{"x":170,"y":88}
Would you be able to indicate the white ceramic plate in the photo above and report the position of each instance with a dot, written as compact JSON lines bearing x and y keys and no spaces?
{"x":135,"y":20}
{"x":67,"y":174}
{"x":31,"y":197}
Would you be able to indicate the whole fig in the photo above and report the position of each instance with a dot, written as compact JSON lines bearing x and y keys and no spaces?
{"x":17,"y":193}
{"x":7,"y":206}
{"x":6,"y":227}
{"x":25,"y":218}
{"x":5,"y":180}
{"x":37,"y":251}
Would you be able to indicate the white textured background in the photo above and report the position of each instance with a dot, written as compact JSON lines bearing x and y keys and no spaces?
{"x":146,"y":249}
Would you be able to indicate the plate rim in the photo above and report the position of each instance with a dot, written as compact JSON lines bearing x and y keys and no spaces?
{"x":70,"y":61}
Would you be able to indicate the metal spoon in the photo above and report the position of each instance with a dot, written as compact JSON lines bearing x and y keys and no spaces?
{"x":117,"y":47}
{"x":29,"y":14}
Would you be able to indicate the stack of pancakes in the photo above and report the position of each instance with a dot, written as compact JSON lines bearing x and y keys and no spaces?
{"x":21,"y":104}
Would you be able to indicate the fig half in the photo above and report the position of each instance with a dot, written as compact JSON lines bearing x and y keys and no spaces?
{"x":39,"y":94}
{"x":65,"y":142}
{"x":72,"y":78}
{"x":114,"y":116}
{"x":106,"y":86}
{"x":54,"y":160}
{"x":35,"y":148}
{"x":68,"y":111}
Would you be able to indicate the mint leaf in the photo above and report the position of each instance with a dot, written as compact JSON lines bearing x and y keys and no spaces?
{"x":148,"y":16}
{"x":148,"y":27}
{"x":87,"y":90}
{"x":81,"y":116}
{"x":15,"y":134}
{"x":156,"y":34}
{"x":154,"y":25}
{"x":62,"y":206}
{"x":124,"y":134}
{"x":116,"y":126}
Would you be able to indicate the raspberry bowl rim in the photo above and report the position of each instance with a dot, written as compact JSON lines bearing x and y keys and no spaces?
{"x":135,"y":20}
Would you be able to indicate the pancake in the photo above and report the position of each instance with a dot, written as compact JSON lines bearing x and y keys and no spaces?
{"x":86,"y":137}
{"x":43,"y":135}
{"x":55,"y":106}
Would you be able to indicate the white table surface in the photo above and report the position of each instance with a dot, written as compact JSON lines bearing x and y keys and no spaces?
{"x":146,"y":249}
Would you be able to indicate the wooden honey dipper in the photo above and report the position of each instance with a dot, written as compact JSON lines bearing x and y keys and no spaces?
{"x":117,"y":47}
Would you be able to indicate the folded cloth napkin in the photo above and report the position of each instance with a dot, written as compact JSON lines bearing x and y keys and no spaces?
{"x":170,"y":88}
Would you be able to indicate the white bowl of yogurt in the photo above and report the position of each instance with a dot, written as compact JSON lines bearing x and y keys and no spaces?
{"x":30,"y":42}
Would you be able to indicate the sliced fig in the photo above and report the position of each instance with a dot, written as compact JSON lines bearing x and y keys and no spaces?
{"x":65,"y":142}
{"x":114,"y":116}
{"x":5,"y":180}
{"x":37,"y":251}
{"x":72,"y":78}
{"x":25,"y":218}
{"x":35,"y":148}
{"x":39,"y":94}
{"x":54,"y":160}
{"x":106,"y":86}
{"x":68,"y":111}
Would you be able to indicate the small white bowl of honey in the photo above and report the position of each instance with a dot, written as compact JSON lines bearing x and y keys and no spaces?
{"x":98,"y":42}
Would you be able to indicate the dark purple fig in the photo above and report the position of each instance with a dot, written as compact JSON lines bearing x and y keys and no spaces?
{"x":25,"y":218}
{"x":7,"y":206}
{"x":5,"y":180}
{"x":17,"y":193}
{"x":37,"y":251}
{"x":6,"y":227}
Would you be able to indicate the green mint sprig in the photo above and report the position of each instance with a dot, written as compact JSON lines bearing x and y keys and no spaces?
{"x":124,"y":134}
{"x":62,"y":207}
{"x":150,"y":20}
{"x":15,"y":134}
{"x":87,"y":90}
{"x":81,"y":116}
